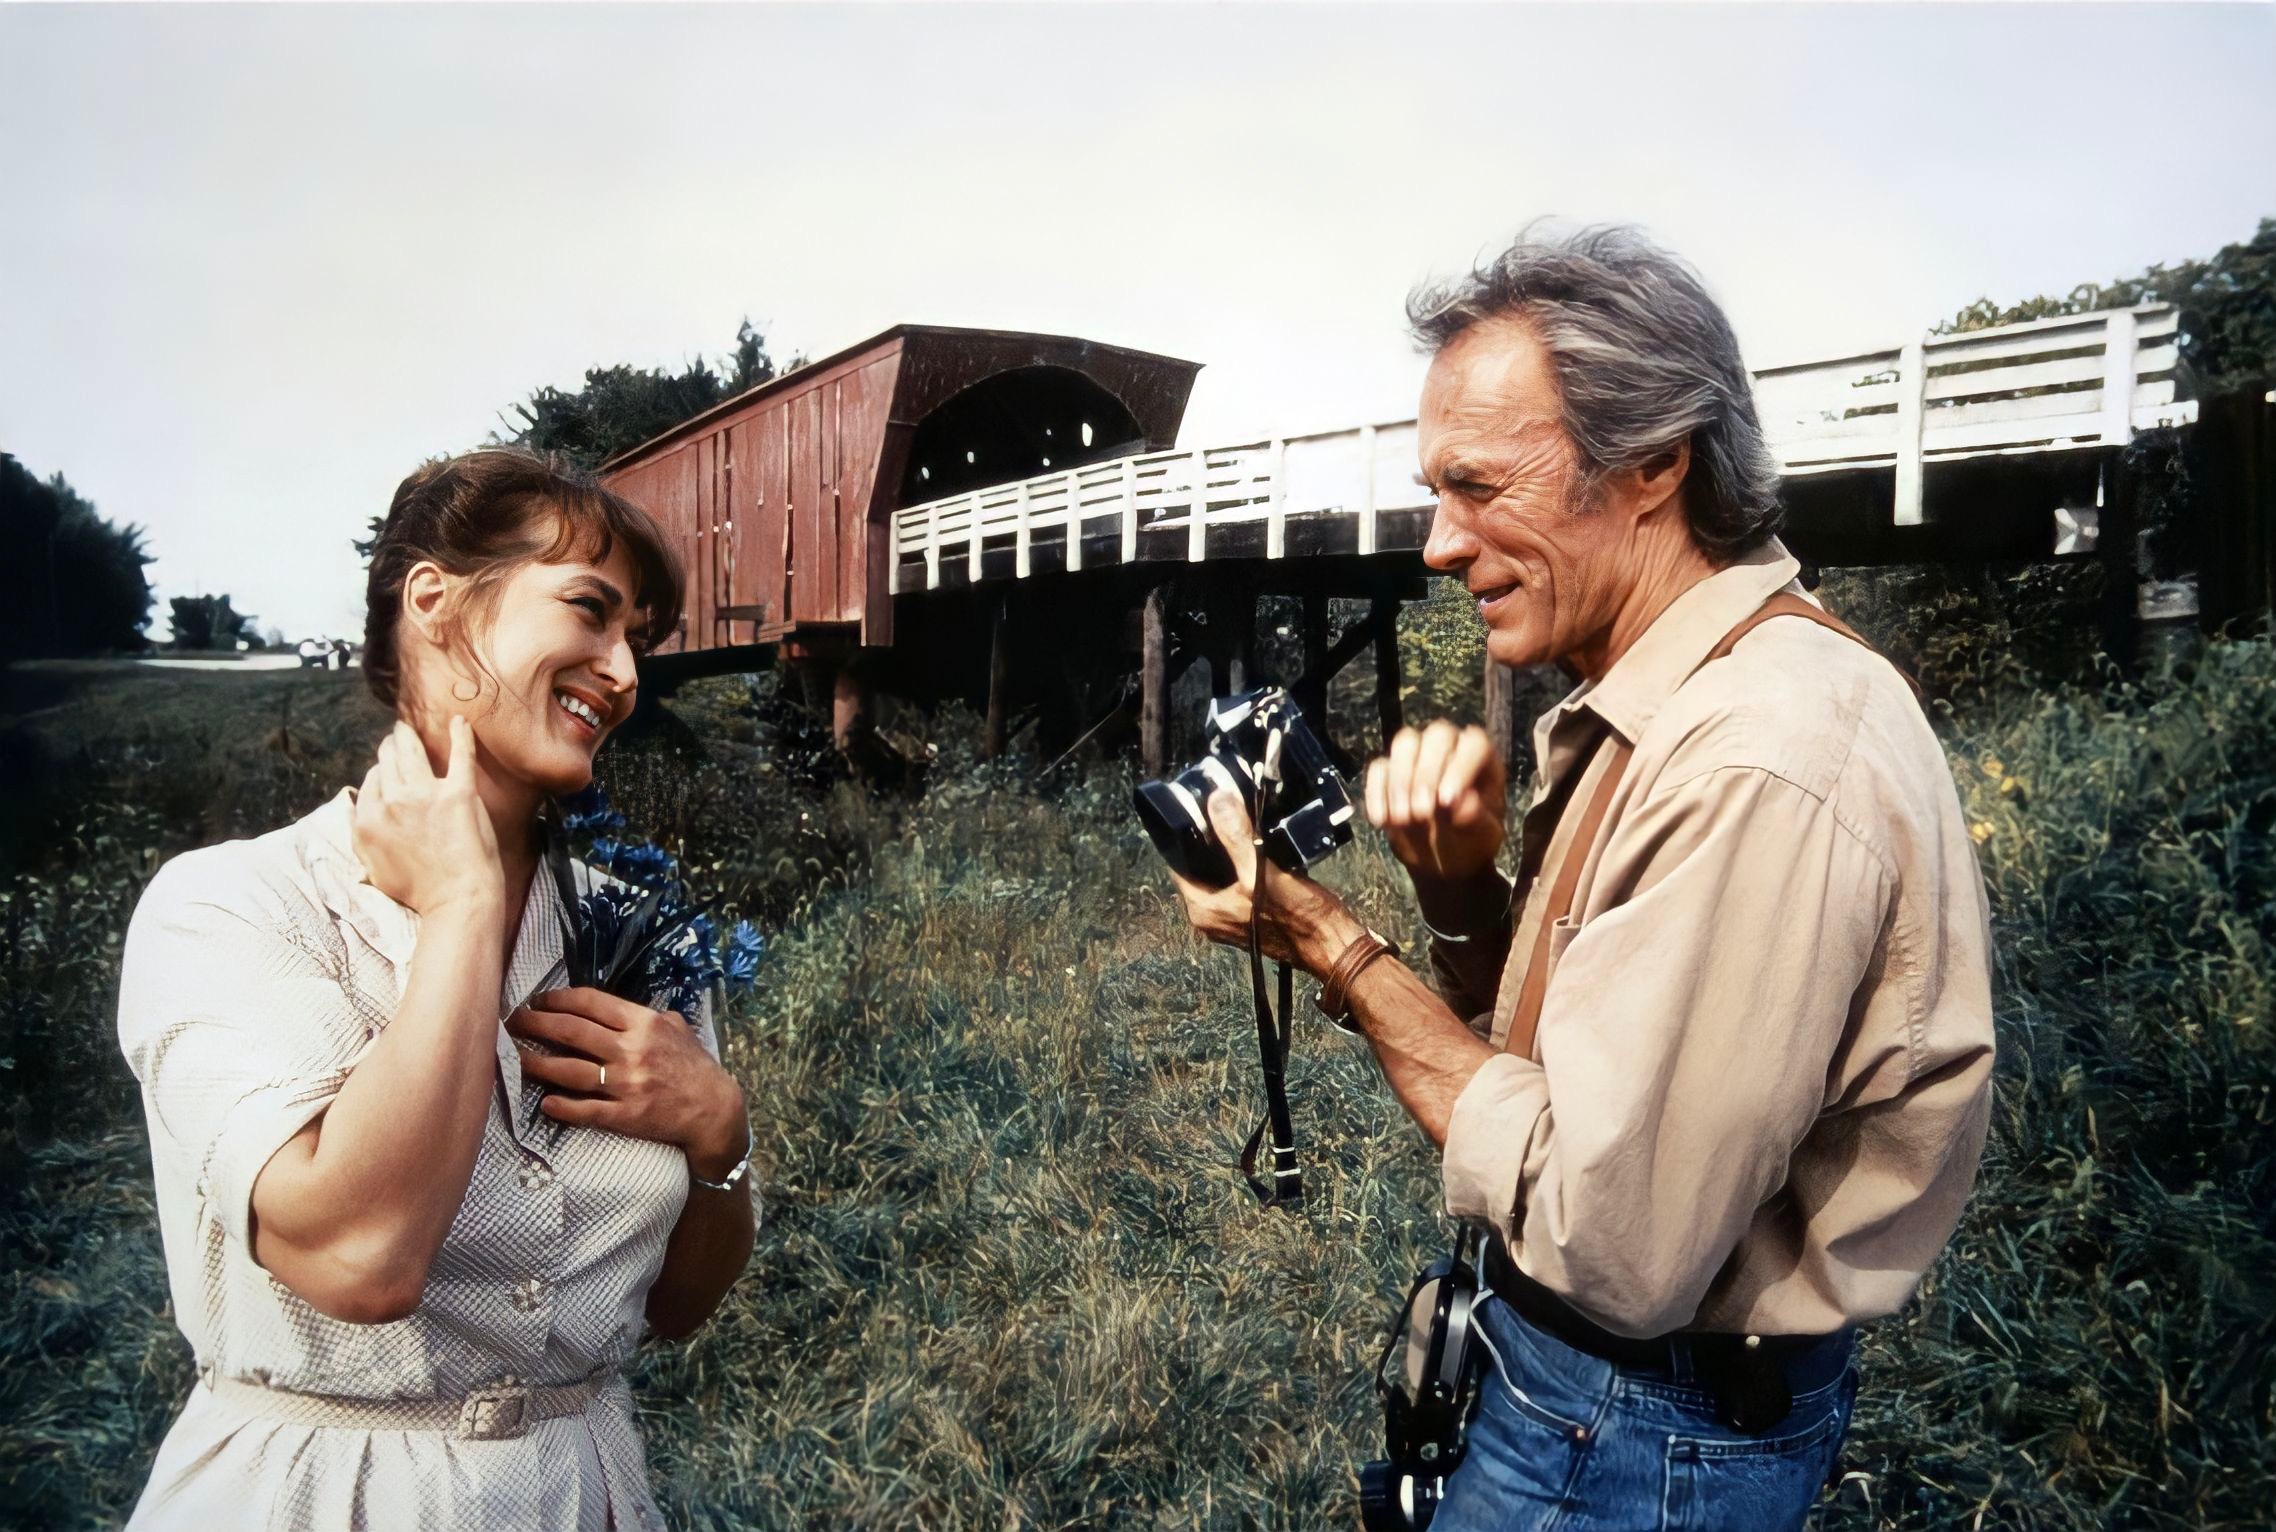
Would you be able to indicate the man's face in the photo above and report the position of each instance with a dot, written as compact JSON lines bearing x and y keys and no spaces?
{"x":1547,"y":569}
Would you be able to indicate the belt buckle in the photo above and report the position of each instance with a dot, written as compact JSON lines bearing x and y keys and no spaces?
{"x":498,"y":1413}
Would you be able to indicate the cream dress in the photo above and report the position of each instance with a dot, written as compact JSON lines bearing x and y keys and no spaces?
{"x":255,"y":974}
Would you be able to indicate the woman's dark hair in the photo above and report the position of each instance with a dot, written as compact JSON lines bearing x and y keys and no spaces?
{"x":482,"y":515}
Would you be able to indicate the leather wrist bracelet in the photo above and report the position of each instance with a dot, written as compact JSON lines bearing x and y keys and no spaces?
{"x":1334,"y":998}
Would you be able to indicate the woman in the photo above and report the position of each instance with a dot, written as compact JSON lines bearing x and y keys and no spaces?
{"x":410,"y":1295}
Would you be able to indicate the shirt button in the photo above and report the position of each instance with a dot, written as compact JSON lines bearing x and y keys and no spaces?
{"x":535,"y":1174}
{"x":529,"y":1294}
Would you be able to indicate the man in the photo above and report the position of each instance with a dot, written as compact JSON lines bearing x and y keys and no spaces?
{"x":1717,"y":1077}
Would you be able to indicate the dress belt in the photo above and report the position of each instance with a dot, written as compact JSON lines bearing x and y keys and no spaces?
{"x":499,"y":1412}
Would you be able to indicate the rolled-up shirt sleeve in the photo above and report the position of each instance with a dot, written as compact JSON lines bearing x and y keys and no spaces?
{"x":238,"y":1033}
{"x":1685,"y":1040}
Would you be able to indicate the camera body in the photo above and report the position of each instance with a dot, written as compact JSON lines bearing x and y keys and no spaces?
{"x":1261,"y":748}
{"x":1427,"y":1381}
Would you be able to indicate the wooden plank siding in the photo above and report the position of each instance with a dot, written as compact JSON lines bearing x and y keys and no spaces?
{"x":782,"y":499}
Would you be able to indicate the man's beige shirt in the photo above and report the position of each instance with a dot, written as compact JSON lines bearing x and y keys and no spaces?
{"x":1762,"y":1077}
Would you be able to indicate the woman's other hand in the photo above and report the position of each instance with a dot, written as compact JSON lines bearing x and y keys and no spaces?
{"x":426,"y":841}
{"x":634,"y":1071}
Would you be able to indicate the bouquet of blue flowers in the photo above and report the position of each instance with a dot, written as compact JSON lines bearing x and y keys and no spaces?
{"x":630,"y":928}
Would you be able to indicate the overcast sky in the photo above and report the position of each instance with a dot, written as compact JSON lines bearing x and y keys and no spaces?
{"x":258,"y":263}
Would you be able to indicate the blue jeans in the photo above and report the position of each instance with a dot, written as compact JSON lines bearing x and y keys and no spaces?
{"x":1564,"y":1439}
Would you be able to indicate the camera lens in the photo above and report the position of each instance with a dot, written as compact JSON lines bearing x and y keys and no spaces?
{"x":1175,"y":813}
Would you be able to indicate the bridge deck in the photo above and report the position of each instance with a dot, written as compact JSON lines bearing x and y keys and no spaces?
{"x":2085,"y":382}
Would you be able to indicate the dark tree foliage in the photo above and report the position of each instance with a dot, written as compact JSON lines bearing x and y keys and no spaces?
{"x":2227,"y":303}
{"x":620,"y":407}
{"x":210,"y":622}
{"x":71,"y":583}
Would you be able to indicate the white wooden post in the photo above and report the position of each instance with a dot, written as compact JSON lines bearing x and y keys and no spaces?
{"x":1276,"y":512}
{"x":972,"y":538}
{"x":1912,"y":383}
{"x":932,"y":547}
{"x":1366,"y":489}
{"x":1074,"y":521}
{"x":1197,"y":530}
{"x":1129,"y":511}
{"x":1020,"y":533}
{"x":2118,"y":378}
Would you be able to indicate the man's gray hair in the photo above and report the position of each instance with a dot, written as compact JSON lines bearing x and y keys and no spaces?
{"x":1644,"y":359}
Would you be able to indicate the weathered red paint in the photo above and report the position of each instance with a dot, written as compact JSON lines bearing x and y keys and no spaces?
{"x":780,"y":500}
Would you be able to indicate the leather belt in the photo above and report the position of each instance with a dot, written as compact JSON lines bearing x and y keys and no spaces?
{"x":1753,"y":1378}
{"x":499,"y":1412}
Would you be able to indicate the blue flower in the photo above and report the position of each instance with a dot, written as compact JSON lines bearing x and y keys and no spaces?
{"x":588,"y":811}
{"x":641,"y":862}
{"x":740,"y":964}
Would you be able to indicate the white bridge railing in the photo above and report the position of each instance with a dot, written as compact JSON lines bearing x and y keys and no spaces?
{"x":2082,"y":381}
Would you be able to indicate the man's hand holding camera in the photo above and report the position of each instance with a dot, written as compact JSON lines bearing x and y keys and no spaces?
{"x":1297,"y":920}
{"x":1437,"y":795}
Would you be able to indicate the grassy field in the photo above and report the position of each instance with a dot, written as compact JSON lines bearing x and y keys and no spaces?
{"x":1008,"y":1277}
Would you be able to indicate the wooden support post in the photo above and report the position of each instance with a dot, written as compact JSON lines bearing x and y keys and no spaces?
{"x":849,"y":706}
{"x":1383,"y":618}
{"x":932,"y":547}
{"x":1231,"y":636}
{"x":2117,"y":544}
{"x":972,"y":537}
{"x":1501,"y":709}
{"x":1312,"y":695}
{"x":999,"y":678}
{"x":1154,"y":682}
{"x":1242,"y":607}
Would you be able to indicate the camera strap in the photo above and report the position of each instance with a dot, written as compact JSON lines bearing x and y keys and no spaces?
{"x":1285,"y":1188}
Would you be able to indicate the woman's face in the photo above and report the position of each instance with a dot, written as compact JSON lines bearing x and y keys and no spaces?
{"x":561,"y":670}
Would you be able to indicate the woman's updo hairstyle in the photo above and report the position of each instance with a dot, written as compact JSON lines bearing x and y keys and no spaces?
{"x":483,"y":515}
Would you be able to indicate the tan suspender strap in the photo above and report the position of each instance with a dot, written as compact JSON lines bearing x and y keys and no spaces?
{"x":1527,"y":1017}
{"x":1786,"y":604}
{"x":1525,"y":1020}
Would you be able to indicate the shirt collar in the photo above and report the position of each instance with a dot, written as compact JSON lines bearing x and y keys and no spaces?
{"x":1631,"y":693}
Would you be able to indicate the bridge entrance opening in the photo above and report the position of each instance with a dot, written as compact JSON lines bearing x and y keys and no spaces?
{"x":1016,"y":425}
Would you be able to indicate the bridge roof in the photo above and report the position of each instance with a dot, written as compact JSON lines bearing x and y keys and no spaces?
{"x":950,"y":343}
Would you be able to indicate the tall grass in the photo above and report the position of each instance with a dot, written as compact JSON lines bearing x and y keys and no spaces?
{"x":1008,"y":1276}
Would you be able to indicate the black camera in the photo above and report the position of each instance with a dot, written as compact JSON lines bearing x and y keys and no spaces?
{"x":1427,"y":1381}
{"x":1260,"y":747}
